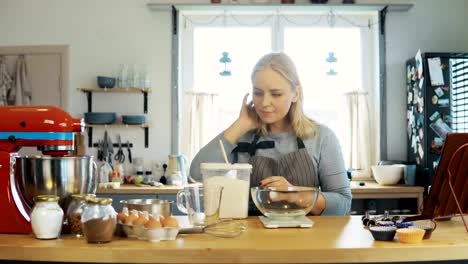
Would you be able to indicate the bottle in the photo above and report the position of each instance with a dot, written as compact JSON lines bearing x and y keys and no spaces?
{"x":74,"y":212}
{"x":149,"y":177}
{"x":46,"y":217}
{"x":99,"y":220}
{"x":163,"y":179}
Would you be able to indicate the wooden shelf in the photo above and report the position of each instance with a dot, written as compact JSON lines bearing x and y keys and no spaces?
{"x":116,"y":90}
{"x":117,"y":125}
{"x":89,"y":94}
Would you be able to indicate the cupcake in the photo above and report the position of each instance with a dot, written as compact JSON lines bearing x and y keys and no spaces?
{"x":383,"y":233}
{"x":427,"y":226}
{"x":410,"y":235}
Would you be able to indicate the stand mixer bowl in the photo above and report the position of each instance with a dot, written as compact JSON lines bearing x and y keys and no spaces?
{"x":284,"y":203}
{"x":61,"y":176}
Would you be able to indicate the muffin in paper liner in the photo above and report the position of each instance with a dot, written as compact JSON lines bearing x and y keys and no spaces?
{"x":427,"y":226}
{"x":410,"y":235}
{"x":383,"y":233}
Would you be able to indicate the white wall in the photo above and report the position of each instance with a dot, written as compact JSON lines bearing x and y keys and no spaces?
{"x":102,"y":34}
{"x":432,"y":26}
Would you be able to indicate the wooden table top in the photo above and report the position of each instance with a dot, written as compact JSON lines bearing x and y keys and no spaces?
{"x":330,"y":240}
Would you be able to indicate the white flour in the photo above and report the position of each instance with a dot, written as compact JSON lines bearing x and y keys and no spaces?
{"x":235,"y":196}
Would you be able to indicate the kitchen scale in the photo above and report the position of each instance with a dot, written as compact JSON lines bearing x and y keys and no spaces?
{"x":278,"y":221}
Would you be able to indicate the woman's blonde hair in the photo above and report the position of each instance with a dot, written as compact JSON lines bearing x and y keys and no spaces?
{"x":303,"y":126}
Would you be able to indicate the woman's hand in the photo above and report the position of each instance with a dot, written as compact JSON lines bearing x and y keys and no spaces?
{"x":244,"y":123}
{"x":247,"y":115}
{"x":275,"y":181}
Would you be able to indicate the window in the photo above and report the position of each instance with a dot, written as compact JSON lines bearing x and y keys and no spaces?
{"x":460,"y":94}
{"x":335,"y":58}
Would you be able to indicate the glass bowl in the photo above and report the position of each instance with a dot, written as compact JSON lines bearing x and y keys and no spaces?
{"x":284,"y":202}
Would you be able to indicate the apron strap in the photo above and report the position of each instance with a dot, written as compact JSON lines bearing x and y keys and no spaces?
{"x":251,"y":148}
{"x":300,"y":143}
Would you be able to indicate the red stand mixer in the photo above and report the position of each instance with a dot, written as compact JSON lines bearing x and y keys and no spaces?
{"x":48,"y":128}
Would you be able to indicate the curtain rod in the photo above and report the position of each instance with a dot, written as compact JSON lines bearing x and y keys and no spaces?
{"x":356,"y":93}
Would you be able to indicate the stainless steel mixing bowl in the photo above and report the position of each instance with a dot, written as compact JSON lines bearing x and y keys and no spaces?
{"x":61,"y":176}
{"x":152,"y":206}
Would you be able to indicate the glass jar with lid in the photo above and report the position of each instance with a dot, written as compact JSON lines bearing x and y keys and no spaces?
{"x":74,"y":212}
{"x":98,"y":220}
{"x":46,"y":217}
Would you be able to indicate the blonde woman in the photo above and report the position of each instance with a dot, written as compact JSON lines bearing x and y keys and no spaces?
{"x":284,"y":146}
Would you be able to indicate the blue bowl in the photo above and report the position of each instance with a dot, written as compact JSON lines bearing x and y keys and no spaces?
{"x":105,"y":82}
{"x":100,"y":118}
{"x":133,"y":119}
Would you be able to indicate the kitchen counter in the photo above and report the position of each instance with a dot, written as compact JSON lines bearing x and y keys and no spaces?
{"x":331,"y":240}
{"x":370,"y":187}
{"x":133,"y":189}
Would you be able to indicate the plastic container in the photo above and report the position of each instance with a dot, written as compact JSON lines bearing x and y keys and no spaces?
{"x":99,"y":220}
{"x":235,"y":179}
{"x":46,"y":217}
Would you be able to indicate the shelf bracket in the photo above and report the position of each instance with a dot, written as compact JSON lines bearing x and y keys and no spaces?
{"x":145,"y":102}
{"x":89,"y":96}
{"x":146,"y":137}
{"x":90,"y":137}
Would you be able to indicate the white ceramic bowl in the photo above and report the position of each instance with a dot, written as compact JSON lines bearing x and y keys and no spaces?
{"x":387,"y":174}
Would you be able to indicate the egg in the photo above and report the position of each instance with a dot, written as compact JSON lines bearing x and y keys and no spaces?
{"x":141,"y":220}
{"x":130,"y":218}
{"x":169,"y":222}
{"x":153,"y":223}
{"x":121,"y":217}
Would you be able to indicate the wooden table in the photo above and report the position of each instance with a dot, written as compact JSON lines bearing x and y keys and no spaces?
{"x":372,"y":190}
{"x":331,"y":240}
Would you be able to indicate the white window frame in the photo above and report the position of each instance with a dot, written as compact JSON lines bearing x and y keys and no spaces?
{"x":370,"y":63}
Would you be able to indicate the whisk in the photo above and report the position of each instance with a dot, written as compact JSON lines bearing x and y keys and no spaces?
{"x":225,"y":228}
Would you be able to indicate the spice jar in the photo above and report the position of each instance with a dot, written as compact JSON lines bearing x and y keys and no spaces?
{"x":98,"y":220}
{"x":46,"y":217}
{"x":74,"y":212}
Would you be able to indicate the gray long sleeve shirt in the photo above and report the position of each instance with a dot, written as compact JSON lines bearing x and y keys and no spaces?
{"x":324,"y":150}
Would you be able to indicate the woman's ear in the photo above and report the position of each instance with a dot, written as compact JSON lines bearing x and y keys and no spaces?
{"x":296,"y":94}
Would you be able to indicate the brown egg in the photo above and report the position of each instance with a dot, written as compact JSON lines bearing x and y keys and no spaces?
{"x":121,"y":217}
{"x":142,"y":219}
{"x":153,"y":223}
{"x":131,"y":218}
{"x":169,"y":222}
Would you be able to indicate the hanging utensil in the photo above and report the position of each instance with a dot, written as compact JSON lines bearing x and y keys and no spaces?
{"x":119,"y":156}
{"x":225,"y":228}
{"x":99,"y":150}
{"x":105,"y":147}
{"x":129,"y":152}
{"x":110,"y":149}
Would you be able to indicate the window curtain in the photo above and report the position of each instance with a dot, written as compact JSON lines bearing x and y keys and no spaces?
{"x":202,"y":109}
{"x":359,"y":140}
{"x":21,"y":92}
